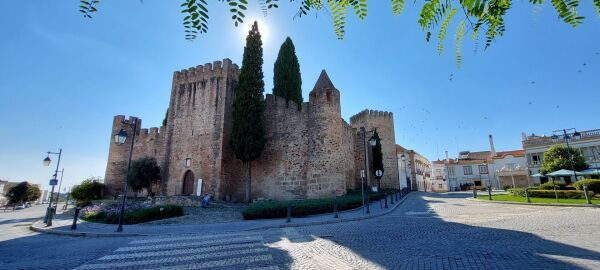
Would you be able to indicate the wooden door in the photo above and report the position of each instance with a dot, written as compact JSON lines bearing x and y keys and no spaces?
{"x":188,"y":183}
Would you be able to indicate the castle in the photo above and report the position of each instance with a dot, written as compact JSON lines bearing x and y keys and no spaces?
{"x":310,"y":151}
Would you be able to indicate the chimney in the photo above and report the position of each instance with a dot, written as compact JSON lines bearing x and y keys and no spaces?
{"x":447,"y":159}
{"x":492,"y":148}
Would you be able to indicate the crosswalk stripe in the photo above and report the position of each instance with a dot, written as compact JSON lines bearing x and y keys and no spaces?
{"x":219,"y":263}
{"x":272,"y":267}
{"x":200,"y":237}
{"x":177,"y":259}
{"x":244,"y":239}
{"x":178,"y":251}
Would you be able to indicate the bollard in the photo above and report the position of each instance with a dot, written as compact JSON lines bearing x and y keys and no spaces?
{"x":74,"y":225}
{"x":474,"y":193}
{"x":490,"y":192}
{"x":587,"y":196}
{"x":368,"y":203}
{"x":50,"y":216}
{"x":397,"y":197}
{"x":335,"y":208}
{"x":385,"y":198}
{"x":381,"y":203}
{"x":527,"y":195}
{"x":289,"y":213}
{"x":391,"y":198}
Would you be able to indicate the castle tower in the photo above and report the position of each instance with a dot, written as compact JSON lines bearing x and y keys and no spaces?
{"x":383,"y":122}
{"x":325,"y":168}
{"x":118,"y":155}
{"x":198,"y":128}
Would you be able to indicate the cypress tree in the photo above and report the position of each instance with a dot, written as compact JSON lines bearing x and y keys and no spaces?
{"x":287,"y":82}
{"x":377,"y":158}
{"x":247,"y":136}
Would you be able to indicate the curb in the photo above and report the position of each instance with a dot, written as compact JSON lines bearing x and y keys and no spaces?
{"x":38,"y":227}
{"x":536,"y":204}
{"x":340,"y":220}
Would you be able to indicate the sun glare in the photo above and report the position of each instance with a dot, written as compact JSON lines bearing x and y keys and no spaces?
{"x":263,"y":28}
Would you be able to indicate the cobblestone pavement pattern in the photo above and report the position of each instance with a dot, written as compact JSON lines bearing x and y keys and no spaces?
{"x":428,"y":231}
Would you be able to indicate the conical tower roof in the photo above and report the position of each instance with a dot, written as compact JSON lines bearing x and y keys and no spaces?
{"x":323,"y":82}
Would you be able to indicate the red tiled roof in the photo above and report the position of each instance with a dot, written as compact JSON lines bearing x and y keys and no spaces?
{"x":516,"y":153}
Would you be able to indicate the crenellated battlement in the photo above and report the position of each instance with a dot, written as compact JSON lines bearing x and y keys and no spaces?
{"x":208,"y":69}
{"x":366,"y":114}
{"x":280,"y":104}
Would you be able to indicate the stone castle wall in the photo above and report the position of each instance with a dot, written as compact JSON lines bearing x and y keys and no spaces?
{"x":310,"y":151}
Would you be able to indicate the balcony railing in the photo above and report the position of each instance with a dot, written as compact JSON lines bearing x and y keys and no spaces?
{"x":595,"y":133}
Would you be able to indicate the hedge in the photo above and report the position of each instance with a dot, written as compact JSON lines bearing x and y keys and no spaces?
{"x":136,"y":216}
{"x":301,"y":208}
{"x":549,"y":186}
{"x":562,"y":194}
{"x":593,"y":185}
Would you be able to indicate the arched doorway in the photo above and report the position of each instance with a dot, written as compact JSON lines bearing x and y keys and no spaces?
{"x":188,"y":183}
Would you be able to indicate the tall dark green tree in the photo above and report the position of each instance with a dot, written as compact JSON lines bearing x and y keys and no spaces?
{"x":287,"y":82}
{"x":248,"y":135}
{"x":23,"y":192}
{"x":377,"y":158}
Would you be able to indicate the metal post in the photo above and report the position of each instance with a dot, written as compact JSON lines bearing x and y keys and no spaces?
{"x":67,"y":201}
{"x":120,"y":227}
{"x":527,"y":195}
{"x":368,"y":203}
{"x":75,"y":216}
{"x":554,"y":186}
{"x":587,"y":196}
{"x":385,"y":198}
{"x":289,"y":213}
{"x":391,"y":198}
{"x":474,"y":193}
{"x":62,"y":172}
{"x":335,"y":208}
{"x":50,"y":210}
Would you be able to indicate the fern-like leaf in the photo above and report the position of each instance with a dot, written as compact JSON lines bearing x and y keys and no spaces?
{"x":88,"y":7}
{"x":460,"y":35}
{"x":338,"y":11}
{"x":196,"y":18}
{"x":360,"y":8}
{"x":444,"y":29}
{"x":597,"y":5}
{"x":567,"y":11}
{"x":398,"y":6}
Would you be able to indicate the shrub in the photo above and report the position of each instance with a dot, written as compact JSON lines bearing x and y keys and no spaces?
{"x":550,"y":186}
{"x":563,"y":194}
{"x":593,"y":185}
{"x":278,"y":209}
{"x":88,"y":190}
{"x":519,"y":192}
{"x":135,"y":216}
{"x":23,"y":192}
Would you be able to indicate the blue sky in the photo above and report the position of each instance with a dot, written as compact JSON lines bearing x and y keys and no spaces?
{"x":63,"y":77}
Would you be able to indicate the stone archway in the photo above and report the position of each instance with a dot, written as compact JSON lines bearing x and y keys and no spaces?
{"x":188,"y":183}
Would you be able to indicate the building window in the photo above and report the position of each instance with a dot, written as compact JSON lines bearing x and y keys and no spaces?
{"x":467,"y":170}
{"x":188,"y":162}
{"x":483,"y":169}
{"x":440,"y":185}
{"x":451,"y":171}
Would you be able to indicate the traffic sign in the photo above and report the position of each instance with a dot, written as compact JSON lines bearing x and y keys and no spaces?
{"x":53,"y":182}
{"x":379,"y":173}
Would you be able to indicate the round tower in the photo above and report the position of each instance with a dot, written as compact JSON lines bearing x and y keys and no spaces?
{"x":325,"y":172}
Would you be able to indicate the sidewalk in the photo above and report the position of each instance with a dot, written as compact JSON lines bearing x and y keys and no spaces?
{"x":61,"y":224}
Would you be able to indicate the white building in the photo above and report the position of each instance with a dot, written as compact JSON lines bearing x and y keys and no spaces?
{"x":438,"y":176}
{"x":588,"y":142}
{"x":414,"y":169}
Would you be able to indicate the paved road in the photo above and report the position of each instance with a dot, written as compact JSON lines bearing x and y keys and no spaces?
{"x":428,"y":231}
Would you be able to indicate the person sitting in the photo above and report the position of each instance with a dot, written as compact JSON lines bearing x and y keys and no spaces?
{"x":205,"y":200}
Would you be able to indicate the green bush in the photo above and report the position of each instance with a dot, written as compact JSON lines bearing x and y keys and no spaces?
{"x":136,"y":216}
{"x":519,"y":192}
{"x":87,"y":191}
{"x":550,"y":186}
{"x":301,"y":208}
{"x":593,"y":185}
{"x":562,"y":194}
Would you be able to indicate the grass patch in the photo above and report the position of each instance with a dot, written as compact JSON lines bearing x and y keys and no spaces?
{"x":509,"y":198}
{"x":301,"y":208}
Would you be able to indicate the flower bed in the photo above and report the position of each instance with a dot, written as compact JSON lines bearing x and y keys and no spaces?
{"x":135,"y":212}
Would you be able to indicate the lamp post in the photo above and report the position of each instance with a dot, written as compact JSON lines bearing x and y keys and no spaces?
{"x":576,"y":135}
{"x":47,"y":161}
{"x":62,"y":172}
{"x":372,"y":142}
{"x":67,"y":201}
{"x":120,"y":139}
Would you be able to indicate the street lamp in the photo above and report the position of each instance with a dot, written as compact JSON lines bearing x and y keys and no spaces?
{"x":120,"y":139}
{"x":576,"y":135}
{"x":53,"y":182}
{"x":372,"y":142}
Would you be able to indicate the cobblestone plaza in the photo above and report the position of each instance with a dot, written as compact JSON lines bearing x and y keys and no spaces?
{"x":428,"y":231}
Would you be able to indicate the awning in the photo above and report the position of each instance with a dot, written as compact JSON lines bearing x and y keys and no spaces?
{"x":562,"y":172}
{"x":590,"y":172}
{"x":536,"y":175}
